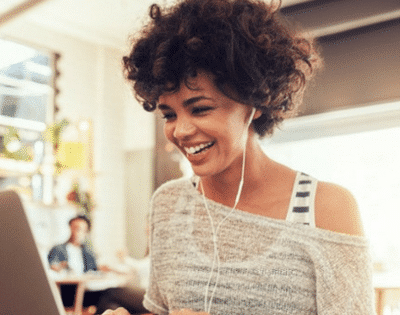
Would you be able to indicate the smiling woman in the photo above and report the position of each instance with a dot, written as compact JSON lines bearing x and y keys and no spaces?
{"x":204,"y":124}
{"x":245,"y":234}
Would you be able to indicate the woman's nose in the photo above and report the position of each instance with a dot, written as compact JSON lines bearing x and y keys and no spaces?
{"x":184,"y":128}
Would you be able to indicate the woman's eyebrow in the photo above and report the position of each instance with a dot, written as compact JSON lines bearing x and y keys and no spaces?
{"x":193,"y":100}
{"x":163,"y":107}
{"x":185,"y":103}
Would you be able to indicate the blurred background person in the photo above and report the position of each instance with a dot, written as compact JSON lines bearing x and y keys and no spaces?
{"x":76,"y":258}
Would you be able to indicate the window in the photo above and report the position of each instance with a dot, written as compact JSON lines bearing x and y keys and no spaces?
{"x":364,"y":161}
{"x":26,"y":106}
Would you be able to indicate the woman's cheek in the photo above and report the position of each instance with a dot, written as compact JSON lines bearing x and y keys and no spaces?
{"x":168,"y":132}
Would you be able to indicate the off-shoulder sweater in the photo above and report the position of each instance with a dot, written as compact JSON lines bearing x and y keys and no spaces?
{"x":267,"y":266}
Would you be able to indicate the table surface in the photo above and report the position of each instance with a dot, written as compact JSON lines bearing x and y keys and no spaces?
{"x":92,"y":281}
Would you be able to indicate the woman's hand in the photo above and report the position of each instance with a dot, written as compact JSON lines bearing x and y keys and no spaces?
{"x":186,"y":312}
{"x":118,"y":311}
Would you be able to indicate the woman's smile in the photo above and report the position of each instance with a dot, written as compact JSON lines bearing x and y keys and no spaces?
{"x":195,"y":150}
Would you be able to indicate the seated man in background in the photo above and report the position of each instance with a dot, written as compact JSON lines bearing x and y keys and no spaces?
{"x":75,"y":258}
{"x":73,"y":255}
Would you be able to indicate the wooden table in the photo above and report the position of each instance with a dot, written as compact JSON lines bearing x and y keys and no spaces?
{"x":387,"y":290}
{"x":86,"y":281}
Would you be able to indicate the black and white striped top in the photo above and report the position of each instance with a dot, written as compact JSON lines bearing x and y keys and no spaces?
{"x":301,"y":207}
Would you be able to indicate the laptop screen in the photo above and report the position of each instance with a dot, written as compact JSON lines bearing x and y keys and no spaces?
{"x":24,"y":285}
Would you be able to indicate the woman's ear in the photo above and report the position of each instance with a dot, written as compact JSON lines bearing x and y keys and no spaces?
{"x":257,"y":114}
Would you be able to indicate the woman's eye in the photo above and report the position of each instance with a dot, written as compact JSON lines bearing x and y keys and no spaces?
{"x":168,"y":116}
{"x":201,"y":110}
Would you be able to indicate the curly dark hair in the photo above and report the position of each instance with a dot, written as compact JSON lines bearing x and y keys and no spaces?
{"x":247,"y":45}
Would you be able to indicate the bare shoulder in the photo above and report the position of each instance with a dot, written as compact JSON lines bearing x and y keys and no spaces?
{"x":336,"y":210}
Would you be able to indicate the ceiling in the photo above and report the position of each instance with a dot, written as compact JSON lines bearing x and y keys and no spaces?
{"x":108,"y":22}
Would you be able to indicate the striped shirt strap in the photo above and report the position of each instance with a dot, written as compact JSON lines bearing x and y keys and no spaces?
{"x":301,"y":208}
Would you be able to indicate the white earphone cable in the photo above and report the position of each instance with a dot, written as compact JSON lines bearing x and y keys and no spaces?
{"x":215,"y":231}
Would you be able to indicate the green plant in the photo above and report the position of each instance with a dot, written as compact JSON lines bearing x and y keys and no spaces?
{"x":81,"y":199}
{"x":13,"y":148}
{"x":54,"y":131}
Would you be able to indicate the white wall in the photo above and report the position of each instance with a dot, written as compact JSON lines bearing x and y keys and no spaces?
{"x":139,"y":125}
{"x":92,"y":87}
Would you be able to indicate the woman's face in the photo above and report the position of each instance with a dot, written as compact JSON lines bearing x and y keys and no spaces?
{"x":205,"y":125}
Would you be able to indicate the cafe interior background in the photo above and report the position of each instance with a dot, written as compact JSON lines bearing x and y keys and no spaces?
{"x":69,"y":125}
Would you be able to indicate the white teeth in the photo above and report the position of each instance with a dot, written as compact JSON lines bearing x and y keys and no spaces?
{"x":196,"y":149}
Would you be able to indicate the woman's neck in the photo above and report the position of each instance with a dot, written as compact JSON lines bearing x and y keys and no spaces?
{"x":223,"y":187}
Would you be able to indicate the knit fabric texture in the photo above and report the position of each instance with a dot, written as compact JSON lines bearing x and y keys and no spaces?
{"x":267,"y":266}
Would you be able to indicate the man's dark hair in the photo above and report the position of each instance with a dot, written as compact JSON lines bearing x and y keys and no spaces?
{"x":81,"y":217}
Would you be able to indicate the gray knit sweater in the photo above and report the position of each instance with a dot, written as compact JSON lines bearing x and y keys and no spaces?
{"x":267,"y":266}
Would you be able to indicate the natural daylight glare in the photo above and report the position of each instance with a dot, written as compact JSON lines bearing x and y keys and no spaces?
{"x":366,"y":163}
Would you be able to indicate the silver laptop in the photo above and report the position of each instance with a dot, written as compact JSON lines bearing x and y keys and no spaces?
{"x":24,"y":285}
